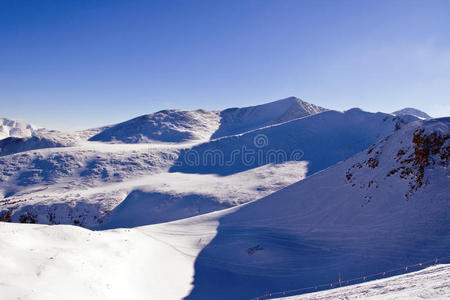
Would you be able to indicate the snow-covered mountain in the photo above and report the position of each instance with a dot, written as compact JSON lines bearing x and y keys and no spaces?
{"x":89,"y":183}
{"x":321,"y":139}
{"x":177,"y":126}
{"x":239,"y":120}
{"x":13,"y":128}
{"x":366,"y":214}
{"x":172,"y":126}
{"x":57,"y":178}
{"x":381,"y":209}
{"x":413,"y":112}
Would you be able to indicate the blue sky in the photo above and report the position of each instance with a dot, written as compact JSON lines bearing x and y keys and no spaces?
{"x":78,"y":64}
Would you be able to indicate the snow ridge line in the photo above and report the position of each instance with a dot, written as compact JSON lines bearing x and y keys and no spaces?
{"x":340,"y":283}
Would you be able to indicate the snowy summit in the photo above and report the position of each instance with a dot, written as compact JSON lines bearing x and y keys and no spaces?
{"x":413,"y":112}
{"x":13,"y":128}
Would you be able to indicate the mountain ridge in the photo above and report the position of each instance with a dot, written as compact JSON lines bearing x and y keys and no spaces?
{"x":412,"y":111}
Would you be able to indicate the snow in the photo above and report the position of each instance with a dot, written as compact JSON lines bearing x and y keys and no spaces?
{"x":431,"y":283}
{"x":239,"y":120}
{"x":173,"y":196}
{"x":326,"y":224}
{"x":413,"y":112}
{"x":375,"y":199}
{"x":173,"y":126}
{"x":13,"y":128}
{"x":13,"y":145}
{"x":83,"y":184}
{"x":321,"y":139}
{"x":93,"y":183}
{"x":68,"y":262}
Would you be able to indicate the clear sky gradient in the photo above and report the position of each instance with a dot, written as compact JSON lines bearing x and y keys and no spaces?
{"x":77,"y":64}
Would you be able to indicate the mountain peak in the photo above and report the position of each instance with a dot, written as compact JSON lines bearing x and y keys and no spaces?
{"x":240,"y":120}
{"x":412,"y":111}
{"x":14,"y":128}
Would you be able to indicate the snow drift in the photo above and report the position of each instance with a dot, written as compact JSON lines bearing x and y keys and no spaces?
{"x":39,"y":262}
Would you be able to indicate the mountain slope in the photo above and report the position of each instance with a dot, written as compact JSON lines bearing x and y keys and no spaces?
{"x":39,"y":262}
{"x":322,"y":140}
{"x":173,"y":196}
{"x":413,"y":112}
{"x":355,"y":218}
{"x":157,"y":261}
{"x":238,"y":120}
{"x":431,"y":283}
{"x":172,"y":126}
{"x":12,"y":145}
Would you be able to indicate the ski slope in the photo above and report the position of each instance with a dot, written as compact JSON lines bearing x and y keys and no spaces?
{"x":150,"y":262}
{"x":40,"y":262}
{"x":431,"y":283}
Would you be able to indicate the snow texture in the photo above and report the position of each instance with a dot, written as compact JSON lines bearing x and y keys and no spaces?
{"x":172,"y":126}
{"x":13,"y":128}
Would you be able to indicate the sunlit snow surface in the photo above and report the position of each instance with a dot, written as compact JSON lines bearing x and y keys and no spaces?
{"x":431,"y":283}
{"x":40,"y":262}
